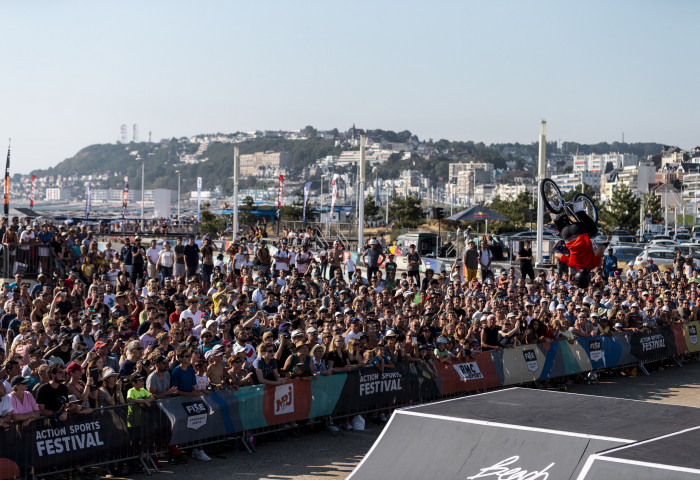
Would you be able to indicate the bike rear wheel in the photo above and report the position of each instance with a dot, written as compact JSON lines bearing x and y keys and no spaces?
{"x":588,"y":206}
{"x":552,"y":197}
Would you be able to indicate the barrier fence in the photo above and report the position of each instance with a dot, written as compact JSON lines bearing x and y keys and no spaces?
{"x":29,"y":261}
{"x":129,"y":431}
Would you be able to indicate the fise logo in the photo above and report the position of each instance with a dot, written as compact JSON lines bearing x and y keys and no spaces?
{"x":693,"y":334}
{"x":196,"y":414}
{"x":530,"y":360}
{"x":284,"y":399}
{"x":596,"y":349}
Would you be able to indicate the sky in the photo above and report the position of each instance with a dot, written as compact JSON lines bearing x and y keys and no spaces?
{"x":74,"y":71}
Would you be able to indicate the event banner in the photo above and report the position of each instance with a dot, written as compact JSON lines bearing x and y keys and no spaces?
{"x":81,"y":440}
{"x":686,"y":336}
{"x":368,"y":388}
{"x":197,"y":418}
{"x":653,"y":345}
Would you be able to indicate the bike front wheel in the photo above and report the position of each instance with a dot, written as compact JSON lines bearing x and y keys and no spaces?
{"x":552,"y":197}
{"x":588,"y":206}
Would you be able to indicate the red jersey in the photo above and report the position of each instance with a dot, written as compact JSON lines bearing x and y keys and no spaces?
{"x":581,"y":256}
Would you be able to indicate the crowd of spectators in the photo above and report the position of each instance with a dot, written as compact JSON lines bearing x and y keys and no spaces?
{"x":141,"y":322}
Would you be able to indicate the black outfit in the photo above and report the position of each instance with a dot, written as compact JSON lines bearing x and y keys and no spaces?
{"x":127,"y":255}
{"x":137,"y":266}
{"x":339,"y":360}
{"x":526,"y":269}
{"x":491,"y":335}
{"x":52,"y":398}
{"x":191,"y":259}
{"x":568,"y":231}
{"x":413,"y":257}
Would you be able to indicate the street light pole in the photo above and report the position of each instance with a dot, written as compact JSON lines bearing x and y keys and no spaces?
{"x":178,"y":198}
{"x":143,"y":170}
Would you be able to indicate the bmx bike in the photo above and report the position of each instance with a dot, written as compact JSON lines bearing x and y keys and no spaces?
{"x":554,"y":202}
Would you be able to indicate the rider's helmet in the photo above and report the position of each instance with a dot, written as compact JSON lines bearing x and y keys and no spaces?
{"x":582,"y":279}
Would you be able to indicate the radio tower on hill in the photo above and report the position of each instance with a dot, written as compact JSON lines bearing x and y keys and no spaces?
{"x":136,"y":133}
{"x":124,"y":134}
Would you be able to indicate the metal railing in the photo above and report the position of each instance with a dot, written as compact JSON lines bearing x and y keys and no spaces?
{"x":28,"y":261}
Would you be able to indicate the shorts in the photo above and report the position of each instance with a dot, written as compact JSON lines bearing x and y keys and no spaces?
{"x":179,"y":270}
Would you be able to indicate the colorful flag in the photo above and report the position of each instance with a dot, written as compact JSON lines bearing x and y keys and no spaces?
{"x":334,"y":188}
{"x":6,"y":198}
{"x":307,"y":188}
{"x":88,"y":200}
{"x":125,"y":196}
{"x":279,"y":196}
{"x":31,"y":194}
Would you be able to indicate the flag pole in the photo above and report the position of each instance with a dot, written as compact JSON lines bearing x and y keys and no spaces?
{"x":6,"y":199}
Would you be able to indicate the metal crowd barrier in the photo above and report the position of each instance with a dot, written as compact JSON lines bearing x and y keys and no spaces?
{"x":29,"y":261}
{"x":152,"y":433}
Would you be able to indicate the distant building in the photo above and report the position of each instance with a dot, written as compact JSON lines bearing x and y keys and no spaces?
{"x":509,"y":191}
{"x":466,"y":176}
{"x":638,"y":178}
{"x":483,"y":171}
{"x":483,"y":194}
{"x":253,"y":164}
{"x":206,"y":195}
{"x":571,"y":181}
{"x":57,"y":194}
{"x":348,"y":157}
{"x":599,"y":163}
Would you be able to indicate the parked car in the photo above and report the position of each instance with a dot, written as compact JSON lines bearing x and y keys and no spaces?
{"x":662,"y":257}
{"x":662,"y":237}
{"x":533,"y":234}
{"x":626,"y":254}
{"x":663,"y":243}
{"x":645,"y":238}
{"x":681,"y":237}
{"x":620,"y":239}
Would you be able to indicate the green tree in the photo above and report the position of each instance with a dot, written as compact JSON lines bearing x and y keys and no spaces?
{"x":652,"y":204}
{"x":587,"y":189}
{"x":372,"y":210}
{"x":622,"y":210}
{"x":211,"y":223}
{"x":309,"y":131}
{"x":513,"y":209}
{"x":406,"y":211}
{"x":294,"y":211}
{"x":245,"y":212}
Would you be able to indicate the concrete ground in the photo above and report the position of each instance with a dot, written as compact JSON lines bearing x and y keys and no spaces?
{"x":320,"y":455}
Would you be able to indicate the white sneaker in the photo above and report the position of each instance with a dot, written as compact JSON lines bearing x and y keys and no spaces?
{"x":200,"y":455}
{"x":348,"y":425}
{"x":333,"y":428}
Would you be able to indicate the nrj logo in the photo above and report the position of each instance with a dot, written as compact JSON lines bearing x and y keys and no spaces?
{"x":503,"y":471}
{"x":284,"y":399}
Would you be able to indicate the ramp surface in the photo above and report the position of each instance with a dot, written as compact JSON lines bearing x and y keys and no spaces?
{"x":516,"y":432}
{"x":671,"y":456}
